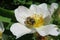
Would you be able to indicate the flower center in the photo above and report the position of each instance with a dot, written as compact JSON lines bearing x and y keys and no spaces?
{"x":34,"y":21}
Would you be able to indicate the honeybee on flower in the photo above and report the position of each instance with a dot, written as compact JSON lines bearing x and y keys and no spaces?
{"x":35,"y":19}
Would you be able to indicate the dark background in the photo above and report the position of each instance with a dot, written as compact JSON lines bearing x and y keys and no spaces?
{"x":12,"y":4}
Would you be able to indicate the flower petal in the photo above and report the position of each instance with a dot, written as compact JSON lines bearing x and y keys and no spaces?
{"x":42,"y":31}
{"x":47,"y":20}
{"x":40,"y":9}
{"x":54,"y":31}
{"x":1,"y":27}
{"x":53,"y":7}
{"x":44,"y":9}
{"x":47,"y":30}
{"x":19,"y":30}
{"x":33,"y":8}
{"x":21,"y":13}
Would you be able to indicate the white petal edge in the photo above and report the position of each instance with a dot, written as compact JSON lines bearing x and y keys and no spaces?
{"x":41,"y":9}
{"x":47,"y":20}
{"x":33,"y":8}
{"x":53,"y":7}
{"x":48,"y":30}
{"x":42,"y":31}
{"x":1,"y":27}
{"x":54,"y":30}
{"x":21,"y":13}
{"x":44,"y":9}
{"x":19,"y":30}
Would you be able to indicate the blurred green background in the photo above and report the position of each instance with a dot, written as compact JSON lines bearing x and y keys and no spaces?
{"x":7,"y":16}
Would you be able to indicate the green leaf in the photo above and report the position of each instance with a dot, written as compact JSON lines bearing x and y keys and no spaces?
{"x":4,"y":19}
{"x":22,"y":1}
{"x":29,"y":2}
{"x":17,"y":2}
{"x":52,"y":1}
{"x":6,"y":13}
{"x":9,"y":25}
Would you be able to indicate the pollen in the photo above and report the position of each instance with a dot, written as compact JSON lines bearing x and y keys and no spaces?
{"x":39,"y":21}
{"x":34,"y":21}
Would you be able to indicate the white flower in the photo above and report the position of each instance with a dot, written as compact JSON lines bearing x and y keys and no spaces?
{"x":1,"y":29}
{"x":34,"y":19}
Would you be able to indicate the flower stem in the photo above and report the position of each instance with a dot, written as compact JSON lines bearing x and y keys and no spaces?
{"x":34,"y":36}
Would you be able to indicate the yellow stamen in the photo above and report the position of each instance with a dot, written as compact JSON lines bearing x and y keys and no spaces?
{"x":39,"y":21}
{"x":35,"y":21}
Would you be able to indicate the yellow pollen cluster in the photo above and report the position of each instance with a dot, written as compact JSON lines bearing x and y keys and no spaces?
{"x":39,"y":21}
{"x":34,"y":21}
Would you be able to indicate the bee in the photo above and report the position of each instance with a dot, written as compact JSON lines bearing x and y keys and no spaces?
{"x":29,"y":21}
